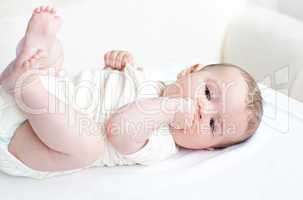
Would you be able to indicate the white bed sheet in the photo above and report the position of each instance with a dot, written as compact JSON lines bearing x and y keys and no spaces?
{"x":267,"y":166}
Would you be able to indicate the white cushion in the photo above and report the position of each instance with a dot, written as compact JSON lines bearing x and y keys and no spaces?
{"x":269,"y":45}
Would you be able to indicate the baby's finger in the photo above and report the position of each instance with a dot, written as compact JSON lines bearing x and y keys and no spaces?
{"x":119,"y":59}
{"x":112,"y":58}
{"x":106,"y":59}
{"x":187,"y":71}
{"x":124,"y":60}
{"x":184,"y":72}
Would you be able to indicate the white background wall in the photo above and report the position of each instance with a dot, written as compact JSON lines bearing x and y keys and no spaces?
{"x":292,"y":8}
{"x":272,"y":4}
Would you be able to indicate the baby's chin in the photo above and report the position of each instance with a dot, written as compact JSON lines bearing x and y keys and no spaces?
{"x":193,"y":145}
{"x":188,"y":141}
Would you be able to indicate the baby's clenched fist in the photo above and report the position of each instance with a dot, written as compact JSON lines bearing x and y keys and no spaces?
{"x":118,"y":59}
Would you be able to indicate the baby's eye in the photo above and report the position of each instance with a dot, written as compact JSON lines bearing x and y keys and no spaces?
{"x":212,"y":124}
{"x":207,"y":93}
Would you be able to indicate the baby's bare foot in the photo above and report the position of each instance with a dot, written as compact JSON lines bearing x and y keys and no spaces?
{"x":18,"y":76}
{"x":32,"y":62}
{"x":44,"y":24}
{"x":39,"y":47}
{"x":40,"y":34}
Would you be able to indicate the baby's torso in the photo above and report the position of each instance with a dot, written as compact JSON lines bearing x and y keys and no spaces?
{"x":99,"y":93}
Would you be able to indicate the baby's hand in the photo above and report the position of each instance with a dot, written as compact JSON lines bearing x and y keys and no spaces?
{"x":118,"y":59}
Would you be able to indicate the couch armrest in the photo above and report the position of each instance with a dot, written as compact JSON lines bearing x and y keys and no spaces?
{"x":269,"y":45}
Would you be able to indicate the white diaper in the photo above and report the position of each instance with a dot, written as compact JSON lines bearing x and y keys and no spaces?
{"x":10,"y":120}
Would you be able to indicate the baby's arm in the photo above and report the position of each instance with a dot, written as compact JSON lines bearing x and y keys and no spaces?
{"x":131,"y":126}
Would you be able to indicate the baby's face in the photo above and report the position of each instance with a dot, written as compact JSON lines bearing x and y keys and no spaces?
{"x":221,"y":94}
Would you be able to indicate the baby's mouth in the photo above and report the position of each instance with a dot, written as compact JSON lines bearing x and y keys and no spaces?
{"x":199,"y":112}
{"x":197,"y":118}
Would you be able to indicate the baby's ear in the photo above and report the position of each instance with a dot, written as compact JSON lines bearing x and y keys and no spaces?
{"x":189,"y":70}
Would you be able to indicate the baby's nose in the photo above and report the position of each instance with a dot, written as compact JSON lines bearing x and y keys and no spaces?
{"x":206,"y":106}
{"x":200,"y":112}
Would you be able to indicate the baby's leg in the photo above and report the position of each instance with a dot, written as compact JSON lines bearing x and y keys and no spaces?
{"x":53,"y":129}
{"x":28,"y":148}
{"x":67,"y":144}
{"x":61,"y":132}
{"x":40,"y":35}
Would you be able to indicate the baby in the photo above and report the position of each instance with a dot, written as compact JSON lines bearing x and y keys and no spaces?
{"x":51,"y":125}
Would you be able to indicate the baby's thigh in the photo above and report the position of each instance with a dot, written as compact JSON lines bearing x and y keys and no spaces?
{"x":28,"y":148}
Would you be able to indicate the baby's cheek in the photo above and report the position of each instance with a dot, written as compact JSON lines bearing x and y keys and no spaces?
{"x":229,"y":128}
{"x":202,"y":129}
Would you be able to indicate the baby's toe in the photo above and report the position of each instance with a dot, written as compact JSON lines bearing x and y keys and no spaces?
{"x":53,"y":10}
{"x":36,"y":56}
{"x":37,"y":10}
{"x":26,"y":64}
{"x":48,"y":8}
{"x":41,"y":53}
{"x":32,"y":61}
{"x":43,"y":8}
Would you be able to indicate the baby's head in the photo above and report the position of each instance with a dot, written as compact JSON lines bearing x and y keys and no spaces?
{"x":230,"y":102}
